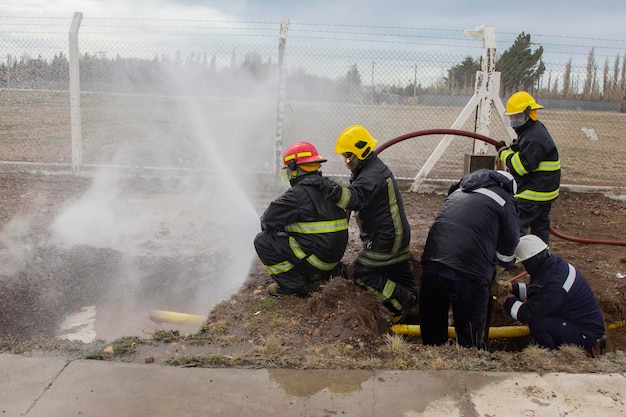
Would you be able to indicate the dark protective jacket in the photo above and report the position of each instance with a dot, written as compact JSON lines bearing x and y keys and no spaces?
{"x":374,"y":197}
{"x":557,"y":289}
{"x":476,"y":228}
{"x":534,"y":162}
{"x":319,"y":227}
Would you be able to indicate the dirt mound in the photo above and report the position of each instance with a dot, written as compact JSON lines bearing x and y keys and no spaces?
{"x":344,"y":311}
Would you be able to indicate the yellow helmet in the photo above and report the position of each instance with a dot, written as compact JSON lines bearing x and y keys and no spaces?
{"x":520,"y":102}
{"x":356,"y":140}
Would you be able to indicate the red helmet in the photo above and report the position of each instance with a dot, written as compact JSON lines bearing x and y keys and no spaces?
{"x":301,"y":153}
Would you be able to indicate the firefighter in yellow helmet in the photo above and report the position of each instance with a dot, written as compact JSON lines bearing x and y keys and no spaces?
{"x":533,"y":159}
{"x":303,"y":235}
{"x":382,"y":264}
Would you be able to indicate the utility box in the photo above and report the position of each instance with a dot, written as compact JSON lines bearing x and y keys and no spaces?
{"x":476,"y":162}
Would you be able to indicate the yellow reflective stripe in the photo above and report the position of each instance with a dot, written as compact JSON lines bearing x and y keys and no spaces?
{"x":297,"y":155}
{"x":504,"y":154}
{"x":279,"y":268}
{"x":295,"y":247}
{"x":517,"y":165}
{"x":519,"y":168}
{"x":376,"y":259}
{"x":312,"y":259}
{"x":326,"y":226}
{"x":395,"y":215}
{"x":345,"y":198}
{"x":382,"y":256}
{"x":319,"y":264}
{"x":548,"y":166}
{"x":395,"y":303}
{"x":388,"y":289}
{"x":538,"y":195}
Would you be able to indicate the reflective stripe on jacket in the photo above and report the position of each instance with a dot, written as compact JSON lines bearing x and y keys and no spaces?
{"x":317,"y":228}
{"x":534,"y":162}
{"x":374,"y":197}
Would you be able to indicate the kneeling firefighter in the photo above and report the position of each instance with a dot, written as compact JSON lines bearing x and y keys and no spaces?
{"x":557,"y":303}
{"x":303,"y":235}
{"x":382,"y":265}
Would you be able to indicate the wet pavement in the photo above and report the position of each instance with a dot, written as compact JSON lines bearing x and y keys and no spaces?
{"x":50,"y":387}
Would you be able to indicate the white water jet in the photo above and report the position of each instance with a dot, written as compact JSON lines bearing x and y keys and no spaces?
{"x":208,"y":214}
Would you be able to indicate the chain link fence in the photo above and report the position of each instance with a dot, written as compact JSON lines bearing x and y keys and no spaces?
{"x":197,"y":96}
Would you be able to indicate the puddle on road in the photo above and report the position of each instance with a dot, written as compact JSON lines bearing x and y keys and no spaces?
{"x":93,"y":323}
{"x":304,"y":383}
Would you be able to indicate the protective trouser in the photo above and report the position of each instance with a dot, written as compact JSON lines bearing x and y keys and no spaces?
{"x":534,"y":218}
{"x":293,"y":275}
{"x":552,"y":332}
{"x":443,"y":287}
{"x":393,"y":283}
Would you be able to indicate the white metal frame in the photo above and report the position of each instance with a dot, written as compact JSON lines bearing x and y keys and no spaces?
{"x":486,"y":91}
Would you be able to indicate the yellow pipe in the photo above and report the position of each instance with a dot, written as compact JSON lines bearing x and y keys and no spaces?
{"x":616,"y":325}
{"x":161,"y":316}
{"x":494,"y":332}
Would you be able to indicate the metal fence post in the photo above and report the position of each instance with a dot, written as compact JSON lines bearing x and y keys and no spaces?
{"x":280,"y":97}
{"x":77,"y":150}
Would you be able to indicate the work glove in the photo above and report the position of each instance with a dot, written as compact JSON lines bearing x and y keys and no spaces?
{"x":498,"y":269}
{"x":502,"y":298}
{"x":503,"y":291}
{"x":331,"y":189}
{"x":501,"y":145}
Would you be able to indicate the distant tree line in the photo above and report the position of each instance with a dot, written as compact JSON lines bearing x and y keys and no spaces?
{"x":521,"y":68}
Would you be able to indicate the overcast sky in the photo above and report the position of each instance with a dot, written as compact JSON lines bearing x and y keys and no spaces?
{"x":553,"y":23}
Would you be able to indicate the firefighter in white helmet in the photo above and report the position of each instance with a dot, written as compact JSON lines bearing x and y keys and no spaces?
{"x":534,"y":161}
{"x":382,"y":265}
{"x":303,"y":236}
{"x":557,"y":303}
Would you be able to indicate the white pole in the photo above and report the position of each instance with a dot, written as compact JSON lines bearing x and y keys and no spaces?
{"x":77,"y":150}
{"x":280,"y":98}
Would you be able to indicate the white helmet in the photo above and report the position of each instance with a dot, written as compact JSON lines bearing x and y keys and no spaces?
{"x":529,"y":246}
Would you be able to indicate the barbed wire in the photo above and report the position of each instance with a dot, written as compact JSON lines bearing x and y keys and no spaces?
{"x":308,"y":32}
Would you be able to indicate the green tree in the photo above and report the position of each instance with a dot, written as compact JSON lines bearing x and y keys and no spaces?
{"x":520,"y":66}
{"x":462,"y":77}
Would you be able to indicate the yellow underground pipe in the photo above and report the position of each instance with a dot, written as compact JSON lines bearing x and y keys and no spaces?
{"x":494,"y":332}
{"x":616,"y":325}
{"x":161,"y":316}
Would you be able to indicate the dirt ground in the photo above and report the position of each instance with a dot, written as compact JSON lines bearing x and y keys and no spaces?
{"x":340,"y":325}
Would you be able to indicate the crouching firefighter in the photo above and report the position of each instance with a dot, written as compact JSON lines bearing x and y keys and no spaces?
{"x":557,"y":303}
{"x":382,"y":265}
{"x":303,"y":235}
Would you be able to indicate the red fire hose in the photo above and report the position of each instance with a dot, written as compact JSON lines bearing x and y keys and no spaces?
{"x":497,"y":144}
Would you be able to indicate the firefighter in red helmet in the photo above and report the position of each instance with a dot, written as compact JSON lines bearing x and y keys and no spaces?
{"x":303,"y":235}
